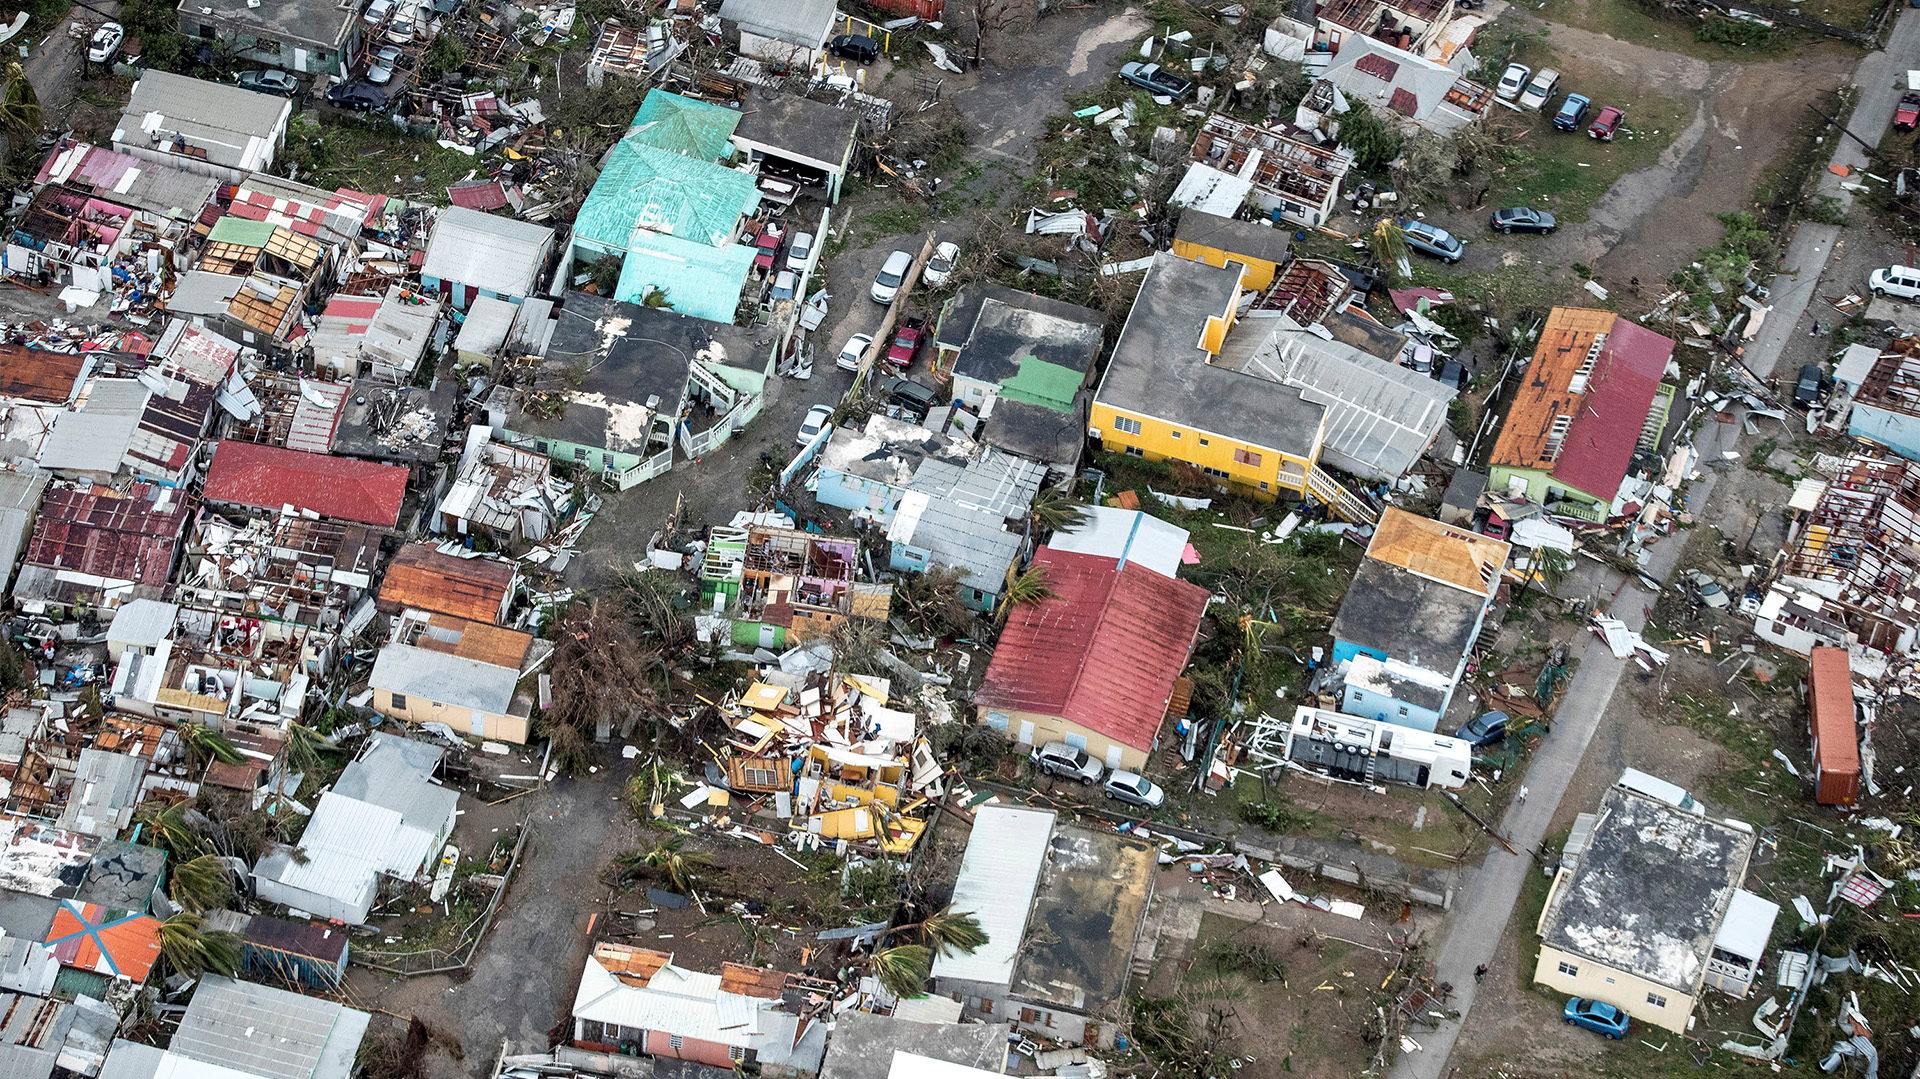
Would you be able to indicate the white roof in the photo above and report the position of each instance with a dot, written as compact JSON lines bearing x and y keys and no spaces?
{"x":1747,"y":926}
{"x":346,"y":844}
{"x":914,"y":1066}
{"x":684,"y":1002}
{"x":998,"y":877}
{"x":1211,"y":190}
{"x":497,"y":254}
{"x":235,"y":128}
{"x":487,"y":325}
{"x":1380,"y":416}
{"x":1855,"y":364}
{"x":257,"y":1030}
{"x":1126,"y":536}
{"x":142,"y":622}
{"x":444,"y":679}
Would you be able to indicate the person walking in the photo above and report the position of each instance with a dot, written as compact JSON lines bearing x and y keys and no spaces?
{"x":1815,"y":332}
{"x":1480,"y":972}
{"x":1523,"y":793}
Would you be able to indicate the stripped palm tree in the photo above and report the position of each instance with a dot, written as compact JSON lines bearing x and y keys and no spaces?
{"x":904,"y":969}
{"x":192,"y":949}
{"x":669,"y":858}
{"x":206,"y":744}
{"x":304,"y":746}
{"x":1029,"y":587}
{"x":1388,"y":243}
{"x":19,"y":104}
{"x":202,"y":883}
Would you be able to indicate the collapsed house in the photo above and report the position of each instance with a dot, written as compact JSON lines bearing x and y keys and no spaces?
{"x":1851,"y":574}
{"x":1279,"y":171}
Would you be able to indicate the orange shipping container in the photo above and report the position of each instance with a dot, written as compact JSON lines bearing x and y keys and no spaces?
{"x":1836,"y":738}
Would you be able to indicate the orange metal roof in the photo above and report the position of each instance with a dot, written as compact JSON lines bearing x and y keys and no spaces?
{"x":422,"y":577}
{"x":1442,"y":552}
{"x":1831,"y":710}
{"x":634,"y":966}
{"x":481,"y":641}
{"x":88,"y":936}
{"x":1544,"y":396}
{"x":751,"y":981}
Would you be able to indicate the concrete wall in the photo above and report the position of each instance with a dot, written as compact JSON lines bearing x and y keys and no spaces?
{"x":1369,"y":704}
{"x":1034,"y":729}
{"x":995,"y":1004}
{"x":471,"y":721}
{"x":1899,"y":433}
{"x":1630,"y":993}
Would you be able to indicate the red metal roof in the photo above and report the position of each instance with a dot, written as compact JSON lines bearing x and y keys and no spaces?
{"x":99,"y":531}
{"x":268,"y":477}
{"x":1830,"y":708}
{"x":1378,"y":66}
{"x":1102,"y":652}
{"x":1614,"y":409}
{"x":478,"y":196}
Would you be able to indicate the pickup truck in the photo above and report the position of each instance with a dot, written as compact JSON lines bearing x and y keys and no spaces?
{"x":1155,"y":79}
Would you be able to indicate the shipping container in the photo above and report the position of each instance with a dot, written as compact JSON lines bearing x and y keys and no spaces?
{"x":1830,"y":718}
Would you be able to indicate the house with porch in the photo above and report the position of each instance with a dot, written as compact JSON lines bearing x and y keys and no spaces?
{"x":1590,"y":413}
{"x":635,"y":1001}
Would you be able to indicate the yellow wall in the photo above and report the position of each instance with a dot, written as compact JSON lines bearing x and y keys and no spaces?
{"x":1055,"y":729}
{"x":1616,"y":987}
{"x":497,"y":728}
{"x":1158,"y":441}
{"x":1260,"y":272}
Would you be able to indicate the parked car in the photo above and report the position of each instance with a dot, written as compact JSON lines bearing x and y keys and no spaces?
{"x":784,"y":285}
{"x":378,"y":74}
{"x":1135,"y":789}
{"x":859,"y":48}
{"x":1483,"y":729}
{"x":1908,"y":113}
{"x":800,"y":251}
{"x":851,"y":352}
{"x":400,"y":31}
{"x":1419,"y":359}
{"x":766,"y":249}
{"x":910,"y":397}
{"x":940,"y":267}
{"x":1709,"y":590}
{"x":1606,"y":125}
{"x":1901,"y":281}
{"x":893,"y":273}
{"x":1811,"y":387}
{"x":1540,"y":89}
{"x":1453,"y":374}
{"x":1597,"y":1016}
{"x":106,"y":42}
{"x":357,"y":95}
{"x":1063,"y":760}
{"x":1513,"y":81}
{"x":1433,"y":240}
{"x":377,"y":12}
{"x":817,"y":418}
{"x":1155,"y":79}
{"x":268,"y":82}
{"x":1573,"y":112}
{"x":1523,"y":219}
{"x":906,"y":343}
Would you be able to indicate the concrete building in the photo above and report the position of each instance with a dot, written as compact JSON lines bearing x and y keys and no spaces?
{"x":865,"y":1045}
{"x":305,"y":38}
{"x":477,"y":254}
{"x":206,"y":127}
{"x":475,"y":696}
{"x":1217,"y":239}
{"x":808,"y":139}
{"x":788,"y":34}
{"x":1288,"y":176}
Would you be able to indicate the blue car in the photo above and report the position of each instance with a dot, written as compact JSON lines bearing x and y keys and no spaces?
{"x":1597,"y":1016}
{"x":1572,"y":111}
{"x":1433,"y":240}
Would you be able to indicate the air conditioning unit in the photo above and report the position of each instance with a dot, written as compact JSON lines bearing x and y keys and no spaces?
{"x":1093,"y":432}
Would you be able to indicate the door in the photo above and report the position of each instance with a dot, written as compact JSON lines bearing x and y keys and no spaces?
{"x":477,"y":725}
{"x":769,"y":636}
{"x":1113,"y":756}
{"x":1026,"y":732}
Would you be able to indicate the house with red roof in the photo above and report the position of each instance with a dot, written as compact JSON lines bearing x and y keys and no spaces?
{"x":1591,"y":401}
{"x":1094,"y":664}
{"x":269,"y":478}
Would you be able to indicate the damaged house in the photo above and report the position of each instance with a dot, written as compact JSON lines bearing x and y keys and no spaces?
{"x":1851,"y":572}
{"x":273,"y":479}
{"x":634,"y":1000}
{"x":785,"y":586}
{"x":1023,"y":363}
{"x":95,"y":547}
{"x":207,"y":127}
{"x":1280,"y":172}
{"x":509,"y":495}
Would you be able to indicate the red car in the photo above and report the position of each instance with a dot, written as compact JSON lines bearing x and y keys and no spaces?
{"x":1606,"y":124}
{"x":906,"y":343}
{"x":1907,"y":116}
{"x":769,"y":249}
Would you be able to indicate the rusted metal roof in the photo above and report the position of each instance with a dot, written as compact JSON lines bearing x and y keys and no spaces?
{"x":47,"y":378}
{"x":634,"y":966}
{"x":751,"y":981}
{"x":1545,"y":395}
{"x":98,"y":531}
{"x":1102,"y":652}
{"x":468,"y":639}
{"x":268,"y":477}
{"x":471,"y":588}
{"x":1830,"y":707}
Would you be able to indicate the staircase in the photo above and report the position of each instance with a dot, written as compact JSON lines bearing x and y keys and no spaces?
{"x":1345,"y":504}
{"x":1656,"y":419}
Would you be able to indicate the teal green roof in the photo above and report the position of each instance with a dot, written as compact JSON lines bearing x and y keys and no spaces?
{"x":700,"y":281}
{"x":682,"y":125}
{"x":694,"y":200}
{"x":1048,"y":385}
{"x":240,"y":230}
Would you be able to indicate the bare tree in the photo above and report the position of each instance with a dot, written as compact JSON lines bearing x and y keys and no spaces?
{"x":602,"y":671}
{"x":995,"y":18}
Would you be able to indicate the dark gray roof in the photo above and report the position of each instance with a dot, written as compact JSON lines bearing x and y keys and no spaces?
{"x":863,"y":1045}
{"x":28,"y":916}
{"x":388,"y":423}
{"x":123,"y":875}
{"x":1464,"y":490}
{"x":1038,"y":433}
{"x":1233,"y":236}
{"x":321,"y":24}
{"x":1366,"y":335}
{"x":1650,"y":891}
{"x":1086,"y":918}
{"x":1410,"y":618}
{"x":1160,"y":371}
{"x":1050,"y":329}
{"x":800,"y":125}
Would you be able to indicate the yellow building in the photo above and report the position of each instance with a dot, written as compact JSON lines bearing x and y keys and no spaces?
{"x":452,"y":671}
{"x":1178,"y":389}
{"x":1216,"y":241}
{"x":1637,"y":918}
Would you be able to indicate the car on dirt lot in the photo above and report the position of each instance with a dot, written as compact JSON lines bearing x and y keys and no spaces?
{"x":1433,"y":240}
{"x":852,"y":351}
{"x":268,"y":82}
{"x":1606,"y":125}
{"x":859,"y":48}
{"x":1901,"y":281}
{"x":1709,"y":590}
{"x":357,"y":95}
{"x":817,"y":418}
{"x":1597,"y":1016}
{"x":1483,"y":729}
{"x":906,"y":343}
{"x":1513,"y":81}
{"x":106,"y":42}
{"x":1540,"y":89}
{"x":1907,"y":115}
{"x":1573,"y":112}
{"x":1811,"y":387}
{"x":1523,"y":219}
{"x":1134,"y":789}
{"x":1063,"y":760}
{"x":1154,"y":79}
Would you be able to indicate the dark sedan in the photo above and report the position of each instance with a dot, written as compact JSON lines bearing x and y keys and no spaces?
{"x":859,"y":48}
{"x":1523,"y":219}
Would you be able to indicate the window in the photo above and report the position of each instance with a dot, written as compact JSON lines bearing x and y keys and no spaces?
{"x":1656,"y":1000}
{"x":1569,"y":969}
{"x":606,"y":460}
{"x":579,"y":453}
{"x":1175,"y":434}
{"x":1135,"y":451}
{"x":1264,"y":486}
{"x":1216,"y":473}
{"x":1126,"y":425}
{"x":1403,"y":711}
{"x":675,"y":1041}
{"x":1204,"y":442}
{"x":736,"y":1053}
{"x":540,"y":445}
{"x":986,"y":1005}
{"x":1246,"y":457}
{"x":1359,"y":695}
{"x":400,"y":701}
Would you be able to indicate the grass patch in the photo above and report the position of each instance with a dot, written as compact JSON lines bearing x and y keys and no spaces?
{"x":330,"y":154}
{"x":1629,"y":20}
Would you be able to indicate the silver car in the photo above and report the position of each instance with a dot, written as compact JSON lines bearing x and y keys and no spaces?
{"x":1135,"y":789}
{"x":1067,"y":762}
{"x":893,"y":274}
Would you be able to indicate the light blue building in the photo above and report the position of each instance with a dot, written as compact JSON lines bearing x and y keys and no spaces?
{"x":871,"y":469}
{"x":970,"y":517}
{"x":473,"y":254}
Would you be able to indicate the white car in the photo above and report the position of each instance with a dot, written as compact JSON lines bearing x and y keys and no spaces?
{"x":893,"y":274}
{"x":1136,"y":789}
{"x":852,"y":352}
{"x":1709,"y":589}
{"x":1901,"y":281}
{"x":1513,"y":81}
{"x":377,"y":12}
{"x":940,"y":267}
{"x":817,"y":418}
{"x":379,"y":75}
{"x":106,"y":42}
{"x":800,"y":251}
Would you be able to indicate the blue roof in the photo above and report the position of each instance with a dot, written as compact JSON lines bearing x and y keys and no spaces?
{"x":665,"y":192}
{"x":682,"y":125}
{"x":700,"y":281}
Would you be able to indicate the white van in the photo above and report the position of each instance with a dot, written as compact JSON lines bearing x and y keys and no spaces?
{"x":1540,"y":89}
{"x":1901,"y":281}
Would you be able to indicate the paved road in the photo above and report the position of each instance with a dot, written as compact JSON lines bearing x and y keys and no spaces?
{"x":1474,"y":930}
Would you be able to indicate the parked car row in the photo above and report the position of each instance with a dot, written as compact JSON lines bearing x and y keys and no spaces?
{"x":1528,"y":89}
{"x":1068,"y":762}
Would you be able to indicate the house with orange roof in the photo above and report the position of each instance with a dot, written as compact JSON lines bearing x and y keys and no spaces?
{"x":112,"y":943}
{"x":1591,"y":402}
{"x":1411,"y":616}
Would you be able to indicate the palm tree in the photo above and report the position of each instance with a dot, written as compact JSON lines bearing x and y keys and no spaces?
{"x":19,"y":105}
{"x":202,"y":883}
{"x":192,"y":949}
{"x":1388,"y":243}
{"x":304,"y":746}
{"x":668,"y":857}
{"x":1052,"y":511}
{"x":904,"y":969}
{"x":1551,"y":566}
{"x":204,"y":743}
{"x":167,"y":828}
{"x":1029,"y":587}
{"x":949,"y":932}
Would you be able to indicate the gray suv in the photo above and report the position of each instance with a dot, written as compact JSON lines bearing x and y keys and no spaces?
{"x":1061,"y":759}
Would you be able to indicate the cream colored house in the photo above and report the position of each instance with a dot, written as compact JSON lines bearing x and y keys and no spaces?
{"x":472,"y":696}
{"x":1634,"y":917}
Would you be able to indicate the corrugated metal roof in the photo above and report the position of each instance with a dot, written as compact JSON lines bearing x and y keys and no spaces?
{"x":682,"y":125}
{"x":682,"y":1002}
{"x":700,"y":281}
{"x":256,"y":1029}
{"x":487,"y":325}
{"x":268,"y":477}
{"x":316,"y":415}
{"x":142,"y":622}
{"x":235,"y":128}
{"x":385,"y":776}
{"x":498,"y":254}
{"x":470,"y":588}
{"x":105,"y":788}
{"x":128,"y":537}
{"x":1607,"y":428}
{"x":345,"y":843}
{"x":198,"y":292}
{"x":96,"y":438}
{"x":22,"y":1062}
{"x":958,"y":515}
{"x":650,"y":188}
{"x":87,"y":936}
{"x":20,"y":494}
{"x":998,"y":877}
{"x":40,"y":377}
{"x":801,"y":22}
{"x":1380,"y":416}
{"x":131,"y":1060}
{"x":242,"y":231}
{"x":128,"y":180}
{"x":1101,"y":652}
{"x":1830,"y":711}
{"x":1126,"y":536}
{"x":444,"y":679}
